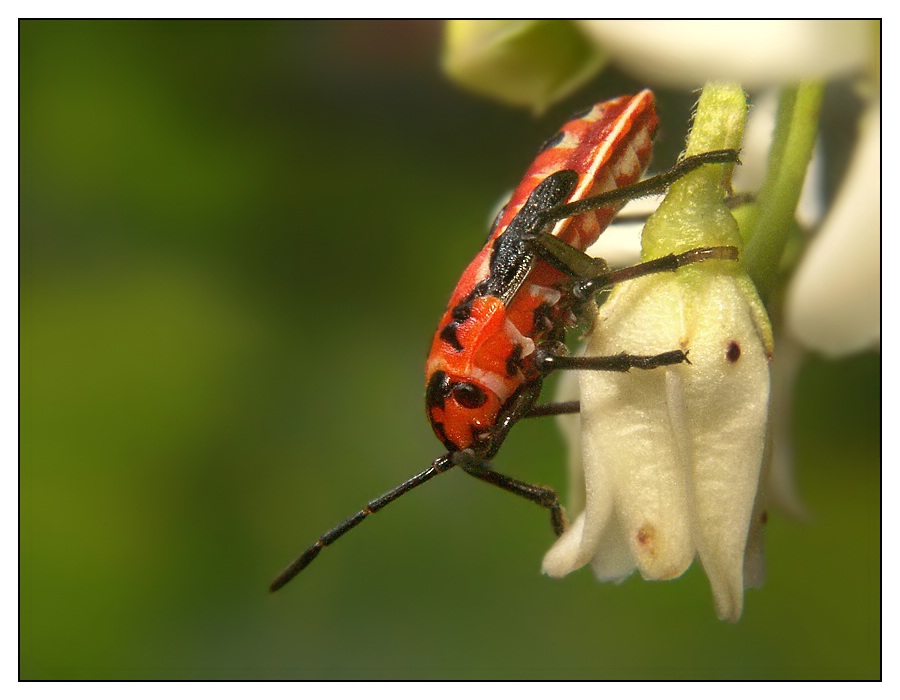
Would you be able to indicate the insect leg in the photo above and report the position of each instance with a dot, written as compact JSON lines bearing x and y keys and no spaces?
{"x":557,"y":408}
{"x":440,"y":465}
{"x":548,"y":362}
{"x":667,"y":263}
{"x":518,"y":407}
{"x":594,"y":274}
{"x":566,"y":258}
{"x":652,"y":185}
{"x":542,"y":495}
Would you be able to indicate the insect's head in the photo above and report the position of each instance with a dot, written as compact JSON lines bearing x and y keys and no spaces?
{"x":462,"y":410}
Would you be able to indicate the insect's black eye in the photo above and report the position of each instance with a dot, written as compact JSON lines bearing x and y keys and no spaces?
{"x":468,"y":395}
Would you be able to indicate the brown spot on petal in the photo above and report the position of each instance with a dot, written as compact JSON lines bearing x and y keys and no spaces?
{"x":646,"y":537}
{"x":733,"y":353}
{"x":764,"y":517}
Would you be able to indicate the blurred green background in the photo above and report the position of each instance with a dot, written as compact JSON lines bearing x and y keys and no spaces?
{"x":236,"y":238}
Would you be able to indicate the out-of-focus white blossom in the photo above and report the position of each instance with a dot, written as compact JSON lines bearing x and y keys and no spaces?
{"x":671,"y":457}
{"x":755,"y":53}
{"x":833,"y":302}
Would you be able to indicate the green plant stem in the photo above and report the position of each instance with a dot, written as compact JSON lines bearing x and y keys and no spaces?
{"x":792,"y":147}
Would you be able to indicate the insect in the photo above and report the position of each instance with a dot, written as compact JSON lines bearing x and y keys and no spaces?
{"x":503,"y":330}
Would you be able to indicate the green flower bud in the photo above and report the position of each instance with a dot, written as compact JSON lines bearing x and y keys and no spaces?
{"x":527,"y":63}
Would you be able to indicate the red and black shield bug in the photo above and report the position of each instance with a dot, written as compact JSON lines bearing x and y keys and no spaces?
{"x":504,"y":326}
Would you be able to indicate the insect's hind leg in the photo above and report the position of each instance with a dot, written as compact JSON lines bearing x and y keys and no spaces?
{"x":541,"y":495}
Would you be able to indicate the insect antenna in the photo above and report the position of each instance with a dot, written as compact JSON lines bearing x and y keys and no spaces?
{"x":438,"y":466}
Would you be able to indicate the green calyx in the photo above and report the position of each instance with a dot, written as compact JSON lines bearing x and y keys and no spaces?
{"x":694,"y":213}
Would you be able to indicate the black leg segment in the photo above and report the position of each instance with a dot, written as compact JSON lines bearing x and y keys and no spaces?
{"x":554,"y":409}
{"x":653,"y":185}
{"x":668,"y":263}
{"x":542,"y":495}
{"x":440,"y":465}
{"x":611,"y":363}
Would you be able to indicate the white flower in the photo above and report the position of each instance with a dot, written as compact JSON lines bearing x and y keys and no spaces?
{"x":755,"y":53}
{"x":834,"y":299}
{"x":672,"y":456}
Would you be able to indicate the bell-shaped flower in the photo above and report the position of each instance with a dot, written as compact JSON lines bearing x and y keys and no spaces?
{"x":671,"y":457}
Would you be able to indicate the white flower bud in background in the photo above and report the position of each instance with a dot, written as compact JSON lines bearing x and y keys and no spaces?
{"x":756,"y":53}
{"x":671,"y":457}
{"x":834,"y":299}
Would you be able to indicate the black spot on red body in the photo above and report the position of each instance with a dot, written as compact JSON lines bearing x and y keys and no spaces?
{"x":462,"y":311}
{"x":733,"y":353}
{"x":438,"y":390}
{"x":448,"y":335}
{"x":442,"y":436}
{"x":582,"y":114}
{"x":552,"y":142}
{"x":468,"y":395}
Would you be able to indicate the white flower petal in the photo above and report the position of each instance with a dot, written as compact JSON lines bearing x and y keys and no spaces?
{"x":833,"y":303}
{"x":627,"y":435}
{"x":725,"y":393}
{"x":755,"y":53}
{"x":613,"y":560}
{"x":578,"y":546}
{"x":568,"y":553}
